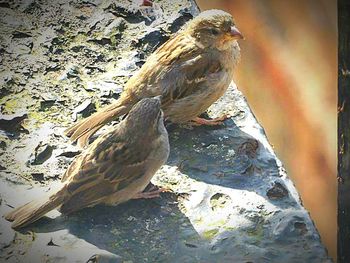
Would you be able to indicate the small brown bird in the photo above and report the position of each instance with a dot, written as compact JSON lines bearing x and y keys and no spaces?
{"x":115,"y":168}
{"x":190,"y":71}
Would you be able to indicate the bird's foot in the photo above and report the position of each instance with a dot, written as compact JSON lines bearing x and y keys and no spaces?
{"x":213,"y":122}
{"x":150,"y":193}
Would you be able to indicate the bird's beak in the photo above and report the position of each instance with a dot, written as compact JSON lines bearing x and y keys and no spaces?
{"x":235,"y":34}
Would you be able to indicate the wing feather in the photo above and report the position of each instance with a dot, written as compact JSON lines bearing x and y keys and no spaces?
{"x":108,"y":166}
{"x":175,"y":70}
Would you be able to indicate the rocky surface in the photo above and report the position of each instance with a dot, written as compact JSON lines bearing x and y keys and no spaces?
{"x":232,"y":200}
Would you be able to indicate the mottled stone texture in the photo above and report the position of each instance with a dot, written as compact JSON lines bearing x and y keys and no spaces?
{"x":232,"y":200}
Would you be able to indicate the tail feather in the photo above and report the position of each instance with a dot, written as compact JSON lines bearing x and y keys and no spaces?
{"x":32,"y":211}
{"x":84,"y":138}
{"x":84,"y":129}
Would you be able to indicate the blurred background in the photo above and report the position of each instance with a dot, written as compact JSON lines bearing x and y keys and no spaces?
{"x":288,"y":73}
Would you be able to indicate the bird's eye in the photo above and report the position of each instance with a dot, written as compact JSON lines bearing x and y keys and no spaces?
{"x":214,"y":31}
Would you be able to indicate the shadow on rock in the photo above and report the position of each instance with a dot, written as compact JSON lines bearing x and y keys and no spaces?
{"x":227,"y":156}
{"x":139,"y":230}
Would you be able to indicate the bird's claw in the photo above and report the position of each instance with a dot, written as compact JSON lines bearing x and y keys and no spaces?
{"x":213,"y":122}
{"x":151,"y":193}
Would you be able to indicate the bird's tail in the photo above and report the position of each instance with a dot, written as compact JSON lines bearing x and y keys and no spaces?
{"x":32,"y":211}
{"x":84,"y":129}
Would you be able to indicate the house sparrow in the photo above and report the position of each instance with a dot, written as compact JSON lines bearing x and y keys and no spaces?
{"x":190,"y":71}
{"x":115,"y":168}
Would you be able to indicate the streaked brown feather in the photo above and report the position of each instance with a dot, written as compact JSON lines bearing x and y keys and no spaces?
{"x":90,"y":196}
{"x":117,"y":166}
{"x":109,"y":163}
{"x":181,"y":68}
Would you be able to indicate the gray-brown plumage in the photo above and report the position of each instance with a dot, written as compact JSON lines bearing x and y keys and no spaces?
{"x":115,"y":168}
{"x":190,"y":71}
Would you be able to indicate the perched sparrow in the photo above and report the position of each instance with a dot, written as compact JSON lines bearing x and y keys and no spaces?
{"x":190,"y":71}
{"x":115,"y":168}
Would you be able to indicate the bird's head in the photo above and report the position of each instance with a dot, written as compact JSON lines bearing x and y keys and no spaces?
{"x":146,"y":116}
{"x":214,"y":28}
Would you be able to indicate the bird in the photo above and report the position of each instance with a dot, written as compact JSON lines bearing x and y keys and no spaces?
{"x":190,"y":72}
{"x":115,"y":168}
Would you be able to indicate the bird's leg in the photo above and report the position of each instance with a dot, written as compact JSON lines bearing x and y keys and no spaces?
{"x":150,"y":193}
{"x":201,"y":121}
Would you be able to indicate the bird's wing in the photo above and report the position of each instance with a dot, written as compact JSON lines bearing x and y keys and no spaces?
{"x":174,"y":70}
{"x":109,"y":165}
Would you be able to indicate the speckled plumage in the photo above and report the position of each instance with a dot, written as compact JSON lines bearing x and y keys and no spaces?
{"x":190,"y":71}
{"x":115,"y":168}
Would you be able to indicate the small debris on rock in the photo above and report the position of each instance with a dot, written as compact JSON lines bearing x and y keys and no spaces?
{"x":191,"y":245}
{"x":51,"y":243}
{"x":38,"y":176}
{"x":278,"y":191}
{"x":249,"y":148}
{"x":301,"y":226}
{"x":42,"y":153}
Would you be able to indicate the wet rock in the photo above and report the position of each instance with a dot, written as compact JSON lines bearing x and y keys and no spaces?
{"x":13,"y":123}
{"x":42,"y":153}
{"x":38,"y":177}
{"x":102,"y":41}
{"x":301,"y":226}
{"x":46,"y":38}
{"x":219,"y":201}
{"x":249,"y":148}
{"x":52,"y":244}
{"x":69,"y":154}
{"x":105,"y":88}
{"x":290,"y":227}
{"x":52,"y":67}
{"x":117,"y":26}
{"x":278,"y":191}
{"x":111,"y":33}
{"x":25,"y":6}
{"x":85,"y":109}
{"x":68,"y":151}
{"x":47,"y":101}
{"x":6,"y":78}
{"x":184,"y":16}
{"x":5,"y":5}
{"x":131,"y":13}
{"x":216,"y":212}
{"x":18,"y":34}
{"x":20,"y":47}
{"x":71,"y":72}
{"x":151,"y":40}
{"x":7,"y":238}
{"x":77,"y":48}
{"x":105,"y":259}
{"x":99,"y":21}
{"x":2,"y":145}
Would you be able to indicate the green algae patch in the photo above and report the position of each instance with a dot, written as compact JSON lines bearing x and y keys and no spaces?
{"x":210,"y":234}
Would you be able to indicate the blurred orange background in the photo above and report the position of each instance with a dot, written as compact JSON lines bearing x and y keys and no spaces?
{"x":288,"y":73}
